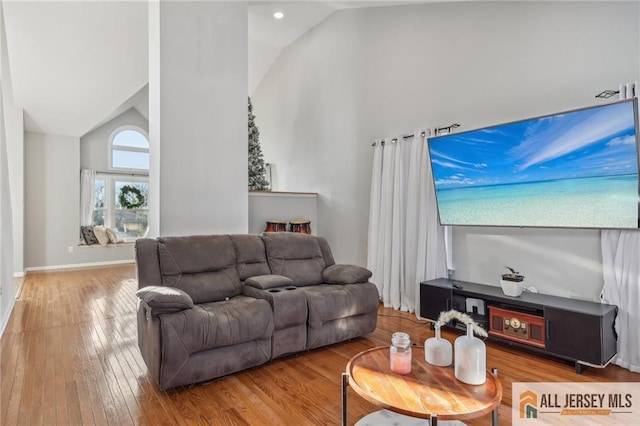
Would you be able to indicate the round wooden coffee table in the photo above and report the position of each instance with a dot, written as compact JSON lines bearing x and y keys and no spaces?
{"x":427,"y":392}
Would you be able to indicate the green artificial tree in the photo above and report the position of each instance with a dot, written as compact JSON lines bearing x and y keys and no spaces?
{"x":257,"y":171}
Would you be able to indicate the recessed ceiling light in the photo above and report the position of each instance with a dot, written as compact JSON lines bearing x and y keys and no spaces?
{"x":278,"y":15}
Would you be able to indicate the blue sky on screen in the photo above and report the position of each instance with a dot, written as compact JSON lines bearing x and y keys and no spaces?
{"x":591,"y":142}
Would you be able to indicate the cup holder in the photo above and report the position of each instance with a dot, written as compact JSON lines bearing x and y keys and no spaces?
{"x":291,"y":287}
{"x":274,"y":290}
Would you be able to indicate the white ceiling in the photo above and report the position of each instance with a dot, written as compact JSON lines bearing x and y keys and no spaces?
{"x":75,"y":65}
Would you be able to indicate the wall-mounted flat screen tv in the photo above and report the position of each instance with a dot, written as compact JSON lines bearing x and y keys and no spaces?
{"x":576,"y":169}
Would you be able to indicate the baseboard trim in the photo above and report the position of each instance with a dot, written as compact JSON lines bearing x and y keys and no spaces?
{"x":76,"y":266}
{"x":18,"y":274}
{"x":7,"y":315}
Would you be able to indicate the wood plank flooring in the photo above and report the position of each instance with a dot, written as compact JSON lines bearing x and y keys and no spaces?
{"x":69,"y":356}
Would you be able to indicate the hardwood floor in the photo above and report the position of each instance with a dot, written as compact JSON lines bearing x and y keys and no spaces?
{"x":69,"y":356}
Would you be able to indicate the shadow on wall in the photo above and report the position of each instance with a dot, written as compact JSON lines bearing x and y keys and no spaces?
{"x":562,"y":262}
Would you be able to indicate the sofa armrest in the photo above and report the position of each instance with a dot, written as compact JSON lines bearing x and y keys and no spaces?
{"x":164,"y":300}
{"x":264,"y":282}
{"x":346,"y":274}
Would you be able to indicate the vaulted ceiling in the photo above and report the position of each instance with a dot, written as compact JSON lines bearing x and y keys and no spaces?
{"x":74,"y":65}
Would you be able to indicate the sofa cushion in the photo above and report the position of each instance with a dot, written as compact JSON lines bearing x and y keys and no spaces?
{"x":217,"y":324}
{"x":251,"y":258}
{"x":294,"y":255}
{"x":203,"y":266}
{"x":328,"y":302}
{"x":163,"y":300}
{"x":346,"y":274}
{"x":326,"y":251}
{"x":265,"y":282}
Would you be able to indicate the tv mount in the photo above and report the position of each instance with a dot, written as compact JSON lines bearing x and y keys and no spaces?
{"x":606,"y":94}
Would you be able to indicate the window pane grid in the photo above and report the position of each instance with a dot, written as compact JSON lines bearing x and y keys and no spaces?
{"x":128,"y":223}
{"x":122,"y":159}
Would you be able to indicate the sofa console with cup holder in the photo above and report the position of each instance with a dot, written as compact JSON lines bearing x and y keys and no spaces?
{"x":576,"y":330}
{"x":212,"y":305}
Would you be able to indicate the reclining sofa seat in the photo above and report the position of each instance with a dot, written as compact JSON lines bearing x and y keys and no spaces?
{"x":222,"y":333}
{"x":337,"y":311}
{"x":222,"y":303}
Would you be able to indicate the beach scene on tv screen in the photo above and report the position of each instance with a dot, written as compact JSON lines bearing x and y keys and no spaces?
{"x":576,"y":169}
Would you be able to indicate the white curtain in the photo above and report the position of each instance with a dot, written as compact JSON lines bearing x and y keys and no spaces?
{"x":621,"y":268}
{"x":406,"y":243}
{"x":87,"y":185}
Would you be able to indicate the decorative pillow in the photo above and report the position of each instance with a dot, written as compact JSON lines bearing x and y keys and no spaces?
{"x":346,"y":274}
{"x":113,"y":237}
{"x":88,"y":235}
{"x":101,"y":235}
{"x":268,"y":281}
{"x":164,"y":300}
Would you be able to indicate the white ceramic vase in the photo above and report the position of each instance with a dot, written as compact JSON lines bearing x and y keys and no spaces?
{"x":438,"y":351}
{"x":471,"y":359}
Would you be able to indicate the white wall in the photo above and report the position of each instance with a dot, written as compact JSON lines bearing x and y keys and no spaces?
{"x":198,"y":77}
{"x":52,"y":206}
{"x":369,"y":73}
{"x":7,"y":118}
{"x":14,"y":127}
{"x":309,"y":109}
{"x":14,"y":133}
{"x":52,"y":200}
{"x":94,"y":146}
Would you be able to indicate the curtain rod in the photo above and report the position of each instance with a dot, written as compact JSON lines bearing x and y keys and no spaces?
{"x":98,"y":172}
{"x":423,"y":133}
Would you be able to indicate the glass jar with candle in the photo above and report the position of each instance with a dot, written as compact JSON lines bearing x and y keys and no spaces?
{"x":400,"y":353}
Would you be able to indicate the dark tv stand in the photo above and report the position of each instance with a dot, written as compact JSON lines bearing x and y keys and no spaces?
{"x":575,"y":330}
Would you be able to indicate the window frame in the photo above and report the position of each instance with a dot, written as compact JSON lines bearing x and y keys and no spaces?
{"x":112,"y":137}
{"x":110,"y":207}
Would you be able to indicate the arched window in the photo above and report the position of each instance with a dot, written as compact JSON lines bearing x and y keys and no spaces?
{"x":129,"y":149}
{"x":120,"y":200}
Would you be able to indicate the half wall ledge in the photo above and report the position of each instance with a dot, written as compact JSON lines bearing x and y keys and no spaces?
{"x":284,"y":206}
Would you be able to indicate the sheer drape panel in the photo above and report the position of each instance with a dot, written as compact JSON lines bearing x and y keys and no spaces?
{"x":385,"y":242}
{"x":434,"y":234}
{"x":621,"y":271}
{"x":87,"y":185}
{"x":406,"y":244}
{"x":374,"y":216}
{"x":413,"y":219}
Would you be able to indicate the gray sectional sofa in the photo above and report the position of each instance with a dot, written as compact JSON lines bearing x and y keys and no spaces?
{"x":217,"y":304}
